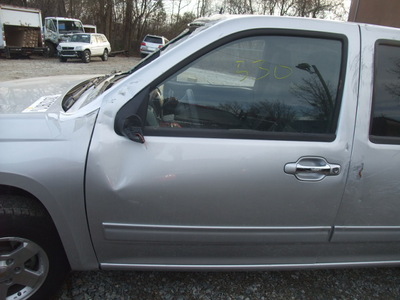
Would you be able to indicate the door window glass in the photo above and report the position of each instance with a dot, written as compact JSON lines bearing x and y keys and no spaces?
{"x":256,"y":84}
{"x":50,"y":25}
{"x":386,"y":99}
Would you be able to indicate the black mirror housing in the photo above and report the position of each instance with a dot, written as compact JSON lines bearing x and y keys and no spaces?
{"x":132,"y":129}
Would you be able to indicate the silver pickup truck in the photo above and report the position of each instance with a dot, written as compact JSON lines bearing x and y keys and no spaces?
{"x":246,"y":143}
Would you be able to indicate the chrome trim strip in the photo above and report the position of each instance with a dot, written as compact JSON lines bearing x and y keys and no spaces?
{"x":172,"y":234}
{"x":165,"y":267}
{"x":368,"y":227}
{"x":107,"y":224}
{"x":352,"y":234}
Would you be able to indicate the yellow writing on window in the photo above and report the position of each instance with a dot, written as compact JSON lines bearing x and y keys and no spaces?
{"x":239,"y":70}
{"x":245,"y":68}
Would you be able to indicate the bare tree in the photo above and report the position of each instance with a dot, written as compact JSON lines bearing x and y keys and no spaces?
{"x":142,"y":10}
{"x":125,"y":22}
{"x":128,"y":23}
{"x":316,"y":8}
{"x":318,"y":95}
{"x":202,"y":7}
{"x":180,"y":6}
{"x":267,"y":7}
{"x":239,"y":6}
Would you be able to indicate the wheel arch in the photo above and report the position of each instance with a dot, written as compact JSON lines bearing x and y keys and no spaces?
{"x":28,"y":197}
{"x":77,"y":245}
{"x":12,"y":190}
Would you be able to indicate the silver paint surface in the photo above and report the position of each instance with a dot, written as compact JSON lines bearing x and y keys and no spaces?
{"x":204,"y":203}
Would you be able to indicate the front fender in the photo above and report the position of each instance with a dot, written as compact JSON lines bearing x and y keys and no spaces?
{"x":46,"y":157}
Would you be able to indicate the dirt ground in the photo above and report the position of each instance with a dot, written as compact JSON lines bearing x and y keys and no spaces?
{"x":38,"y":66}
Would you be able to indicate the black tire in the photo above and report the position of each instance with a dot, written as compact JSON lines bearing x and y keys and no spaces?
{"x":86,"y":56}
{"x":104,"y":57}
{"x":7,"y":52}
{"x":63,"y":59}
{"x":35,"y":263}
{"x":51,"y":49}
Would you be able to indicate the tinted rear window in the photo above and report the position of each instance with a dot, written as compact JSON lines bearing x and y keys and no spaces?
{"x":153,"y":39}
{"x":386,"y":100}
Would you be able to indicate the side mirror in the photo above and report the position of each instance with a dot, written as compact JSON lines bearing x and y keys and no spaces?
{"x":132,"y":129}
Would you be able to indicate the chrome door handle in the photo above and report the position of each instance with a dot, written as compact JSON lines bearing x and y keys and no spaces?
{"x":312,"y":169}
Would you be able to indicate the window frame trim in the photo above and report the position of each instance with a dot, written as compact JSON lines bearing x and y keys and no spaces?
{"x":248,"y":134}
{"x":378,"y":139}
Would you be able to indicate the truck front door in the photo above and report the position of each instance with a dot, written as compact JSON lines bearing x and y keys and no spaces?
{"x":244,"y":160}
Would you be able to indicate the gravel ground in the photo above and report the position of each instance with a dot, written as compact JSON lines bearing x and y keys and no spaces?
{"x":370,"y":283}
{"x":377,"y":283}
{"x":39,"y":66}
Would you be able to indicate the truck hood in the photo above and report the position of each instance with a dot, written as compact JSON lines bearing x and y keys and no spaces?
{"x":31,"y":111}
{"x":36,"y":95}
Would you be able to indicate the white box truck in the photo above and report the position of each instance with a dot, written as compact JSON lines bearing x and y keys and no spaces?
{"x":59,"y":29}
{"x":21,"y":31}
{"x":90,"y":28}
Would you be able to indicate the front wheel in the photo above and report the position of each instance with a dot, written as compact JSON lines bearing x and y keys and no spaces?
{"x":33,"y":263}
{"x":51,"y":49}
{"x":104,"y":57}
{"x":86,"y":56}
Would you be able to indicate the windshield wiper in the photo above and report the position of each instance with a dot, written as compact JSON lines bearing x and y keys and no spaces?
{"x":75,"y":93}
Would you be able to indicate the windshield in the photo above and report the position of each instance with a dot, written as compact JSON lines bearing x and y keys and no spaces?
{"x":70,"y":26}
{"x":148,"y":59}
{"x":193,"y":28}
{"x":81,"y":38}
